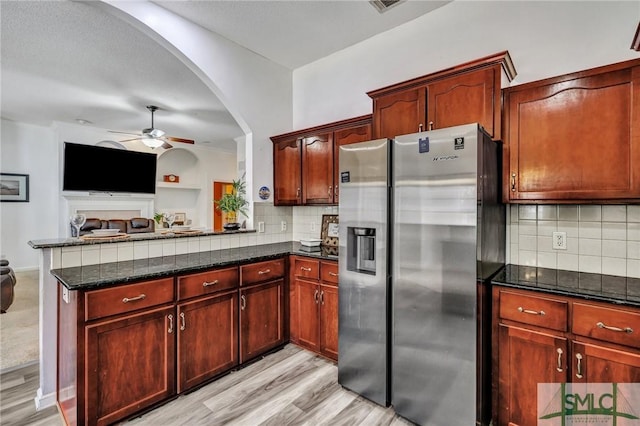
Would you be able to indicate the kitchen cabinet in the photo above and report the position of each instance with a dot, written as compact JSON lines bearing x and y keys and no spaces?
{"x":207,"y":325}
{"x":262,"y":309}
{"x":467,"y":93}
{"x":556,"y":339}
{"x":316,"y":305}
{"x":305,"y":162}
{"x":574,"y":137}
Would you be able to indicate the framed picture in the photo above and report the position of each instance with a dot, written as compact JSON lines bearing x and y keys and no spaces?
{"x":14,"y":187}
{"x":329,"y":233}
{"x":180,"y":218}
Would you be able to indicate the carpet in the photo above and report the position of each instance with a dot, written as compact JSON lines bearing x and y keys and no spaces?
{"x":19,"y":326}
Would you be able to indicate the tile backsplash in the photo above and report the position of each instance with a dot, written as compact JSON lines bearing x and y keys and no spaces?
{"x":603,"y":239}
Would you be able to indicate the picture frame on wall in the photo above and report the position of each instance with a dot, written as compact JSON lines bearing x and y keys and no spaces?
{"x":14,"y":187}
{"x":180,"y":218}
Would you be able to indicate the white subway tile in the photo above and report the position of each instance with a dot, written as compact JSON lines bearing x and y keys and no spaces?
{"x":125,"y":251}
{"x":71,"y":258}
{"x":215,"y":243}
{"x":633,"y":268}
{"x":568,"y":262}
{"x":108,"y":253}
{"x":633,"y":231}
{"x":155,"y":248}
{"x":592,"y":264}
{"x":224,"y":243}
{"x":527,"y":227}
{"x":90,"y":255}
{"x":614,"y":213}
{"x":194,"y":244}
{"x":545,"y":244}
{"x":573,"y":245}
{"x":528,"y":258}
{"x":547,"y":227}
{"x":141,"y":250}
{"x":570,"y":227}
{"x":614,"y":266}
{"x":168,"y":248}
{"x":56,"y":258}
{"x":614,"y":248}
{"x":633,"y":214}
{"x":568,"y":213}
{"x":547,"y":212}
{"x":590,"y":247}
{"x":547,"y":260}
{"x":589,"y":213}
{"x":633,"y":249}
{"x":513,"y":213}
{"x":590,"y":230}
{"x":614,"y":231}
{"x":181,"y":246}
{"x":527,"y":212}
{"x":513,"y":254}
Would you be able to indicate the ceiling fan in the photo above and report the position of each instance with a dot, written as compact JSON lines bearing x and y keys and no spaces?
{"x":152,"y":137}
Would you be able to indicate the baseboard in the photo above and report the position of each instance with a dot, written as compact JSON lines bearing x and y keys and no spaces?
{"x":44,"y":401}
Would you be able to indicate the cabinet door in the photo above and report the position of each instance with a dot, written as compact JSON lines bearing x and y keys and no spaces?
{"x":472,"y":97}
{"x":345,"y":137}
{"x":261,"y":318}
{"x":527,"y":358}
{"x":329,"y":321}
{"x":307,"y":305}
{"x":399,"y":113}
{"x":600,"y":364}
{"x":129,"y":364}
{"x":287,"y":179}
{"x":574,"y":139}
{"x":207,"y":338}
{"x":317,"y":169}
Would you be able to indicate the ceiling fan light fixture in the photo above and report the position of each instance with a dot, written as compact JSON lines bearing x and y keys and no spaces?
{"x":152,"y":142}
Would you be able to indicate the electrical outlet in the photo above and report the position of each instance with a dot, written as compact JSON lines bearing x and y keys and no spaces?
{"x":283,"y":226}
{"x":260,"y":226}
{"x":312,"y":227}
{"x":559,"y":241}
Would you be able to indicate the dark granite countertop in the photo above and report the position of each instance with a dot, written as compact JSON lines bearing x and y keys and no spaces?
{"x":106,"y":274}
{"x":605,"y":288}
{"x":143,"y":236}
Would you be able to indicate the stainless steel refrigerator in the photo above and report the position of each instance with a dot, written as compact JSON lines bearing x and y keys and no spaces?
{"x":422,"y":230}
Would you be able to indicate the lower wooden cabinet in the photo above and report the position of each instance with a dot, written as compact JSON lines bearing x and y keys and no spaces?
{"x":261,"y":318}
{"x":541,"y":338}
{"x":207,"y":331}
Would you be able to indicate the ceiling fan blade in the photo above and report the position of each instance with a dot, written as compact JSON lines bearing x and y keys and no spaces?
{"x":181,"y":140}
{"x":130,"y":140}
{"x":125,"y":133}
{"x":166,"y":145}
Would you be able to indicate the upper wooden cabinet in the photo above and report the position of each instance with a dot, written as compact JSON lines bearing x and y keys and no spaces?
{"x":463,"y":94}
{"x":574,"y":137}
{"x":305,"y":162}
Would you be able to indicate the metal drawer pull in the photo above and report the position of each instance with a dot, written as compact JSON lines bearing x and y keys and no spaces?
{"x":305,"y":269}
{"x":431,"y":125}
{"x":133,"y":299}
{"x":182,"y":323}
{"x":266,"y":271}
{"x":336,"y":191}
{"x":322,"y":297}
{"x":513,"y":182}
{"x":170,"y":317}
{"x":333,"y":274}
{"x":315,"y":296}
{"x":628,"y":330}
{"x":329,"y":190}
{"x":243,"y":302}
{"x":420,"y":127}
{"x":528,"y":311}
{"x":559,"y":367}
{"x":579,"y":369}
{"x":208,"y":283}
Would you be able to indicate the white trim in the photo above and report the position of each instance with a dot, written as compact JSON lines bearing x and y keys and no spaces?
{"x":44,"y":401}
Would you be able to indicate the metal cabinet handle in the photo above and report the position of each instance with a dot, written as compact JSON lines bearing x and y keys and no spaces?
{"x":315,"y":296}
{"x":431,"y":125}
{"x":528,"y":311}
{"x":329,"y":192}
{"x":420,"y":127}
{"x":579,"y":369}
{"x":559,"y":367}
{"x":628,"y":330}
{"x":208,"y":283}
{"x":266,"y":271}
{"x":243,"y":302}
{"x":513,"y":182}
{"x":298,"y":193}
{"x":182,"y":322}
{"x":333,"y":274}
{"x":133,"y":299}
{"x":170,"y":317}
{"x":305,"y":269}
{"x":322,"y":297}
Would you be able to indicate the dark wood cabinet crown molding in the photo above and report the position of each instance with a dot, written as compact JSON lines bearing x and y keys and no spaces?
{"x":324,"y":128}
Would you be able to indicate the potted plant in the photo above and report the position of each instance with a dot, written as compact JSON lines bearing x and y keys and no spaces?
{"x":232,"y":203}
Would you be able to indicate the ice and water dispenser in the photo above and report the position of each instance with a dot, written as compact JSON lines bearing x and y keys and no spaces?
{"x":361,"y":250}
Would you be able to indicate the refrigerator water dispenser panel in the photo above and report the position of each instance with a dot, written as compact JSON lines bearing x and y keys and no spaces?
{"x":361,"y":250}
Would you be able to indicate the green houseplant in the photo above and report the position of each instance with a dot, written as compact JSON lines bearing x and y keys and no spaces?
{"x":232,"y":203}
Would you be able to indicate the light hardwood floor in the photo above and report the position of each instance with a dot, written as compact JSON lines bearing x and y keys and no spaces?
{"x":289,"y":387}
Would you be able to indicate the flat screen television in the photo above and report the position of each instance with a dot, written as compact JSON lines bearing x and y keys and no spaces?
{"x":100,"y":169}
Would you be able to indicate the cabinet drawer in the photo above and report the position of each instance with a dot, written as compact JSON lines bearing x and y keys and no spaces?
{"x":307,"y":268}
{"x":611,"y":325}
{"x":207,"y":282}
{"x":329,"y":272}
{"x":534,"y":310}
{"x":262,"y":271}
{"x":127,"y":298}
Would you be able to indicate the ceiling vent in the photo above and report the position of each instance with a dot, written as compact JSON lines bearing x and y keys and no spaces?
{"x":384,"y":5}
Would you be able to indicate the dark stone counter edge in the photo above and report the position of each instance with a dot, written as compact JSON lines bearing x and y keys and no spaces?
{"x":145,"y":236}
{"x":108,"y":274}
{"x":631,"y":297}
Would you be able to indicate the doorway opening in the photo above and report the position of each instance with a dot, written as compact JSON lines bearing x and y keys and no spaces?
{"x":219,"y":218}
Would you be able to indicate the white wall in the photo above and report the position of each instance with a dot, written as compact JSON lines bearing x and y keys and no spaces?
{"x":28,"y":149}
{"x":544,"y":39}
